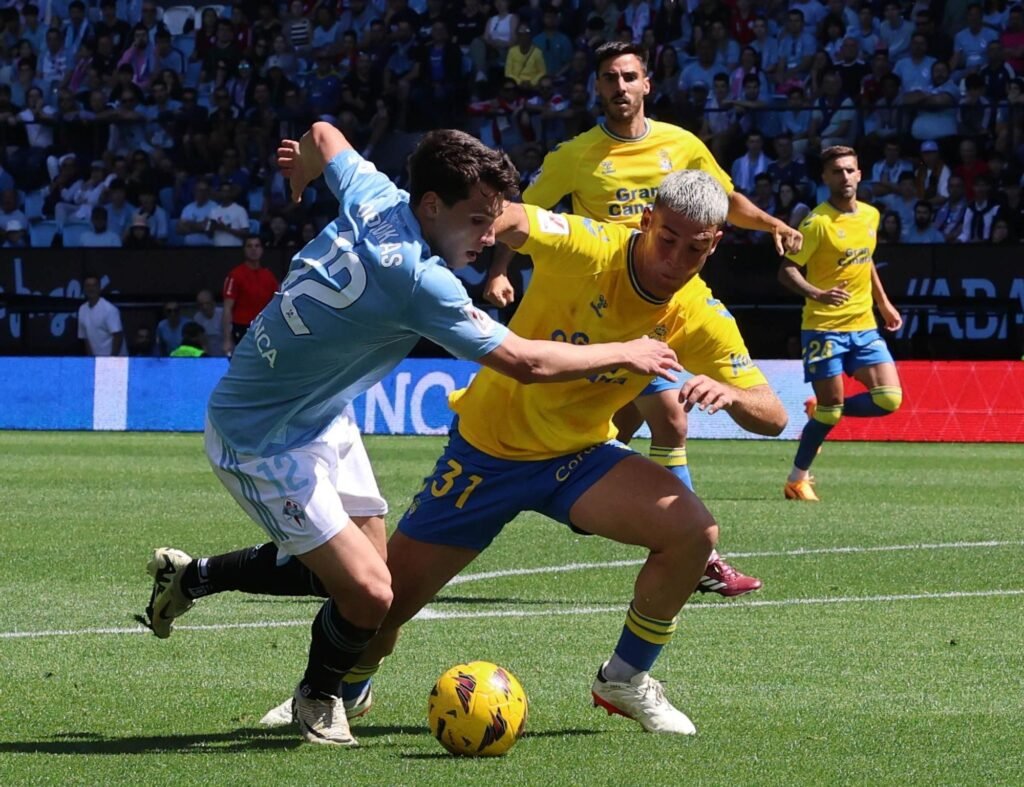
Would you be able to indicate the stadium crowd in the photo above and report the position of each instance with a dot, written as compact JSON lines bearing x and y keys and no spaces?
{"x":129,"y":124}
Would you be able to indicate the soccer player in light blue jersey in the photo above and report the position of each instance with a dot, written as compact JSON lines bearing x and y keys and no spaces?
{"x":355,"y":301}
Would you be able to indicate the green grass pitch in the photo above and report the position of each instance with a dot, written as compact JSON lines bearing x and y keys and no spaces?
{"x":889,"y":652}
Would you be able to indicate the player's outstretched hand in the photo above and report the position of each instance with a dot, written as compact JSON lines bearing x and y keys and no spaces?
{"x":652,"y":358}
{"x":837,"y":296}
{"x":707,"y":394}
{"x":891,"y":317}
{"x":289,"y":161}
{"x":787,"y":240}
{"x":499,"y":291}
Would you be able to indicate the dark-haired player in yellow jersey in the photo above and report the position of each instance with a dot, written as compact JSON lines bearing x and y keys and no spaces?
{"x":613,"y":172}
{"x":839,"y":334}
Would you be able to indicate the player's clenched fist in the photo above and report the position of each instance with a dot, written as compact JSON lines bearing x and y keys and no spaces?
{"x":707,"y":394}
{"x":650,"y":357}
{"x":499,"y":291}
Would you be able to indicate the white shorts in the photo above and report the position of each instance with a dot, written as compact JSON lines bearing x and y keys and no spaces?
{"x":302,"y":498}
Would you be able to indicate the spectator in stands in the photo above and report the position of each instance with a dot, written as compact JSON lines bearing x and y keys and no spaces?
{"x":788,"y":206}
{"x":915,"y":70}
{"x":921,"y":229}
{"x":500,"y":32}
{"x":165,"y":57}
{"x":747,"y":167}
{"x":36,"y":119}
{"x":78,"y":200}
{"x":891,"y":229}
{"x":1002,"y":232}
{"x":32,"y":30}
{"x":851,"y":69}
{"x":297,"y":28}
{"x":326,"y":35}
{"x":866,"y":32}
{"x":796,"y":49}
{"x":193,"y":342}
{"x":975,"y":117}
{"x":524,"y":62}
{"x":554,"y":44}
{"x":282,"y":57}
{"x":16,"y":235}
{"x":99,"y":322}
{"x":194,"y":224}
{"x":796,"y":119}
{"x":788,"y":169}
{"x":970,"y":166}
{"x":210,"y":317}
{"x":168,"y":330}
{"x":1012,"y":39}
{"x":997,"y":73}
{"x":154,"y":215}
{"x":54,"y":62}
{"x":99,"y":235}
{"x":939,"y":42}
{"x":138,"y":56}
{"x":142,"y":344}
{"x":1009,"y":123}
{"x":767,"y":47}
{"x":727,"y":51}
{"x":885,"y":173}
{"x":138,"y":235}
{"x":1002,"y":173}
{"x":970,"y":43}
{"x":895,"y":31}
{"x":119,"y":31}
{"x":229,"y":221}
{"x":980,"y":214}
{"x":949,"y":218}
{"x":9,"y":210}
{"x":834,"y":121}
{"x":703,"y":69}
{"x":903,"y":200}
{"x":128,"y":127}
{"x":749,"y":110}
{"x":247,"y":289}
{"x":936,"y":106}
{"x":279,"y":234}
{"x":932,"y":175}
{"x":119,"y":211}
{"x":356,"y":17}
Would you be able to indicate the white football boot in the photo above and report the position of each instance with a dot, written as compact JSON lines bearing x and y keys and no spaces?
{"x":322,"y":721}
{"x":282,"y":715}
{"x":643,"y":700}
{"x":167,"y":601}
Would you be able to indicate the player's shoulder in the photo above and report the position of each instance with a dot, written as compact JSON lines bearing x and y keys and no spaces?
{"x":578,"y":145}
{"x":870,"y":212}
{"x":671,"y":133}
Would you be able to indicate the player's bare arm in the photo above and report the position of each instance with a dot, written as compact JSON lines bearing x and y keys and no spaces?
{"x":541,"y":361}
{"x":498,"y":289}
{"x":891,"y":317}
{"x":226,"y":324}
{"x":756,"y":409}
{"x":746,"y":215}
{"x":303,"y":161}
{"x":792,"y":278}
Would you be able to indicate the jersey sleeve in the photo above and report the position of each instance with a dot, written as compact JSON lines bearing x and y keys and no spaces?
{"x":811,"y":229}
{"x":230,"y":287}
{"x":441,"y":311}
{"x":556,"y":178}
{"x":715,"y":348}
{"x":357,"y":185}
{"x":701,"y":158}
{"x":562,"y":243}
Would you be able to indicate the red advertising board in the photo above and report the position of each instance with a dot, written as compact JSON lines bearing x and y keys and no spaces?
{"x":954,"y":401}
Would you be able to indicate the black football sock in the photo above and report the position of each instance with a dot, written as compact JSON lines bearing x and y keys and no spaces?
{"x":252,"y":570}
{"x":335,"y":648}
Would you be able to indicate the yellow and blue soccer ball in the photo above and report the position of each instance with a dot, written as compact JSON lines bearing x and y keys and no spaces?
{"x":477,"y":710}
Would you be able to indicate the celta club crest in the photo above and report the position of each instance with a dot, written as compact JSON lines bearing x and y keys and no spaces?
{"x":465,"y":685}
{"x":293,"y":510}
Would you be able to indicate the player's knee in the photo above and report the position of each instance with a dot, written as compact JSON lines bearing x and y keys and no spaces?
{"x":375,"y":595}
{"x":670,"y":429}
{"x":887,"y":397}
{"x":828,"y":414}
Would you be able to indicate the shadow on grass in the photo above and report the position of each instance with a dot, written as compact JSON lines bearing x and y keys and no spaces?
{"x":443,"y":755}
{"x":243,"y":739}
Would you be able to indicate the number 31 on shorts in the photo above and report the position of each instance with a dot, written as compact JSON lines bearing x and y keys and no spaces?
{"x":443,"y":485}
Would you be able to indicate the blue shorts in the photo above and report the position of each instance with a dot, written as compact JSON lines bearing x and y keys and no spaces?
{"x":831,"y":353}
{"x":470,"y":496}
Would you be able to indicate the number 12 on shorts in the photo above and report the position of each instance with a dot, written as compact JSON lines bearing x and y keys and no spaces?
{"x":443,"y":485}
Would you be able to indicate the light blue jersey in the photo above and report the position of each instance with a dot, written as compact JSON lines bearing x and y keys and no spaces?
{"x":354,"y":303}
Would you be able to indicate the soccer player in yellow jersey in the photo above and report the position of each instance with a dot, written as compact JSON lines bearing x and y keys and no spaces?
{"x":839,"y":334}
{"x":613,"y":172}
{"x":516,"y":447}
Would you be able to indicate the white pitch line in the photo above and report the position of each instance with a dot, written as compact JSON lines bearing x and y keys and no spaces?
{"x":518,"y":572}
{"x":432,"y":614}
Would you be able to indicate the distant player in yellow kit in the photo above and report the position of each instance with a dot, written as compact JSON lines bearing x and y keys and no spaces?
{"x":613,"y":172}
{"x":839,"y":334}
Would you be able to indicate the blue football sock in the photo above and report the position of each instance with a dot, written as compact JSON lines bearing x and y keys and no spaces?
{"x":814,"y":435}
{"x":863,"y":406}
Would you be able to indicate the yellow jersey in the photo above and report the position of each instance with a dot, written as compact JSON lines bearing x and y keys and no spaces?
{"x":839,"y":250}
{"x":614,"y":178}
{"x":584,"y":291}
